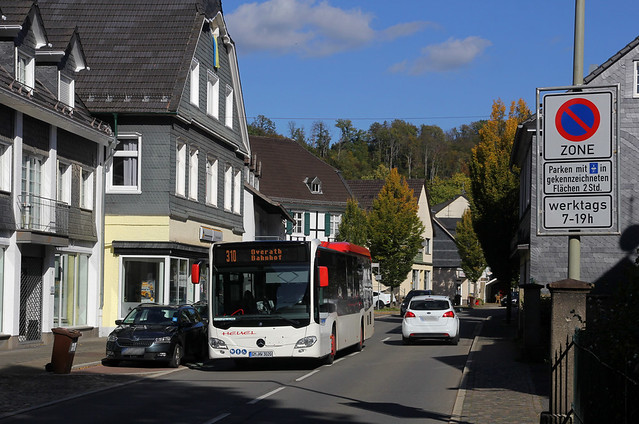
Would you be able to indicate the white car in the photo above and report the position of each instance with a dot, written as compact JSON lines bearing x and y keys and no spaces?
{"x":430,"y":317}
{"x":381,"y":300}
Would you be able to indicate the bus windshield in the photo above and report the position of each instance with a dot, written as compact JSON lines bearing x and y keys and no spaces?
{"x":262,"y":295}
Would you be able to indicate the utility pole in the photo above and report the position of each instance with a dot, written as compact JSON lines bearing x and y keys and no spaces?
{"x":574,"y":241}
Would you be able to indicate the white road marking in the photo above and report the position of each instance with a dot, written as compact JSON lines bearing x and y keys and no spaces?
{"x":218,"y":418}
{"x":254,"y":401}
{"x":307,"y":375}
{"x":386,"y":339}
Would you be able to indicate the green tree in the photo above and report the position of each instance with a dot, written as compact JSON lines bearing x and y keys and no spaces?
{"x":261,"y":125}
{"x":495,"y":188}
{"x":320,"y":138}
{"x":444,"y":189}
{"x":395,"y":230}
{"x":472,"y":257}
{"x":354,"y":225}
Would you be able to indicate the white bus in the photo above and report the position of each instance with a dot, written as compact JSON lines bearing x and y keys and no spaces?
{"x":288,"y":299}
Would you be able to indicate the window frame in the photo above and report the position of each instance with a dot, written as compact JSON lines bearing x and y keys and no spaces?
{"x":228,"y":188}
{"x":180,"y":169}
{"x":194,"y":85}
{"x":64,"y":182}
{"x":6,"y":155}
{"x":25,"y":74}
{"x":66,"y":91}
{"x":635,"y":84}
{"x":228,"y":110}
{"x":212,"y":95}
{"x":212,"y":170}
{"x":135,"y":154}
{"x":237,"y":192}
{"x":86,"y":189}
{"x":193,"y":172}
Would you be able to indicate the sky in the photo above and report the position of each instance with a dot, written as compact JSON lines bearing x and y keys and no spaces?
{"x":428,"y":62}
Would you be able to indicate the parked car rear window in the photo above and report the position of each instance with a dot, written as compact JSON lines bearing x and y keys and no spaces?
{"x":429,"y":305}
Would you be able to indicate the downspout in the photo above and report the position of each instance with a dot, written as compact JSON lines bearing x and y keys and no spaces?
{"x":107,"y":157}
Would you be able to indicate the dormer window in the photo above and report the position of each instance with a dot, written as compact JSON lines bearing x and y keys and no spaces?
{"x":25,"y":70}
{"x":314,"y":184}
{"x":66,"y":90}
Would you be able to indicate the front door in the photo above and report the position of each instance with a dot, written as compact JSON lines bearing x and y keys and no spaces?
{"x":31,"y":300}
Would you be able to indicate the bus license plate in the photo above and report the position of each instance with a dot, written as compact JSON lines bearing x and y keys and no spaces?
{"x":261,"y":354}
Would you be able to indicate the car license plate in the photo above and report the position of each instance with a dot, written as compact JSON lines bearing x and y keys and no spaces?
{"x":133,"y":351}
{"x":428,"y":318}
{"x":261,"y":354}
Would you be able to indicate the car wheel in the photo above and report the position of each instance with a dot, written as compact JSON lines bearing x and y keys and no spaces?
{"x":455,"y":340}
{"x":380,"y":304}
{"x":178,"y":354}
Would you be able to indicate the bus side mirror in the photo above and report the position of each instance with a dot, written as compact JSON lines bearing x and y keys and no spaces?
{"x":195,"y":273}
{"x":323,"y":276}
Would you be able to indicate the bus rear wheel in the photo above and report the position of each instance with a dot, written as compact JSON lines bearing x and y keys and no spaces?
{"x":360,"y":343}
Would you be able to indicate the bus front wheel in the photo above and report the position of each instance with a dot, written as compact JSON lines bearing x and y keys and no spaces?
{"x":331,"y":356}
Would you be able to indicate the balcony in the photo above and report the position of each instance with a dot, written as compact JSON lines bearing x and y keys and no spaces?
{"x":43,"y":215}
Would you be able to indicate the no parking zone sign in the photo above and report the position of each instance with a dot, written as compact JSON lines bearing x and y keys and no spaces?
{"x":577,"y":169}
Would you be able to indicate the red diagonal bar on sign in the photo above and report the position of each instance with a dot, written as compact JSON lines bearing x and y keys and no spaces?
{"x":577,"y":119}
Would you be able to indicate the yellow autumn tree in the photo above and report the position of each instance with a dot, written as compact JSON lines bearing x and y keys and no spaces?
{"x":495,"y":188}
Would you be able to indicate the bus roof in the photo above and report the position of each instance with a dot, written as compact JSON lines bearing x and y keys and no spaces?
{"x":343,"y":246}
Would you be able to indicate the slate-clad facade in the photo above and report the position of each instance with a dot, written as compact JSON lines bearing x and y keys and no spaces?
{"x":164,"y":75}
{"x":544,"y":259}
{"x":52,"y":155}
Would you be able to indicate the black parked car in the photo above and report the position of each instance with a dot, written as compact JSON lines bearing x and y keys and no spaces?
{"x":514,"y":300}
{"x":409,"y":295}
{"x":151,"y":332}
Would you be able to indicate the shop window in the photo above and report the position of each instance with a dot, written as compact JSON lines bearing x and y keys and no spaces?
{"x":143,"y":281}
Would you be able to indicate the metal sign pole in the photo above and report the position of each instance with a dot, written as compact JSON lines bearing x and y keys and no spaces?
{"x":574,"y":241}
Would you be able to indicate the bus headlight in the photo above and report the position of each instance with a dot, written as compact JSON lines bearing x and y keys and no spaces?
{"x":217,"y":343}
{"x":305,"y":342}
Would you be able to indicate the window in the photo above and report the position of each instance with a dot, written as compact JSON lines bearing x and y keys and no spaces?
{"x":66,"y":90}
{"x":314,"y":184}
{"x":180,"y":289}
{"x":426,"y":244}
{"x":228,"y":187}
{"x":212,"y":95}
{"x":193,"y":165}
{"x":64,"y":183}
{"x":180,"y":170}
{"x":211,"y":181}
{"x":229,"y":107}
{"x":143,"y":281}
{"x":195,"y":82}
{"x":25,"y":70}
{"x":86,"y":190}
{"x":124,"y":175}
{"x":335,"y":221}
{"x":237,"y":192}
{"x":71,"y":289}
{"x":635,"y":85}
{"x":5,"y":167}
{"x":298,"y":223}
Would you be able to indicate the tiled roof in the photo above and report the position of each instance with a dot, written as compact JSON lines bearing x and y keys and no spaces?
{"x":365,"y":191}
{"x":285,"y":165}
{"x":15,"y":11}
{"x":139,"y":51}
{"x":629,"y":47}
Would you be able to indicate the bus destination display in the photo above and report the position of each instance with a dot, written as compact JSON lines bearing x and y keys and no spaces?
{"x":238,"y":254}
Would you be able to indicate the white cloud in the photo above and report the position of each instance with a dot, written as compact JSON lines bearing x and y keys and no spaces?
{"x":447,"y":56}
{"x":306,"y":27}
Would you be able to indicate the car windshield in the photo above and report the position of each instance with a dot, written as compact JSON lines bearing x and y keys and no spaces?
{"x":152,"y":316}
{"x":429,"y":305}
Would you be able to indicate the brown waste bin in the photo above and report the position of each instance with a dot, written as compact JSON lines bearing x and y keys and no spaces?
{"x":65,"y":342}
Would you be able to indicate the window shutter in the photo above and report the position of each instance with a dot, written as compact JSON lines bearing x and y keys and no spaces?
{"x":289,"y":226}
{"x":327,"y":224}
{"x":307,"y":223}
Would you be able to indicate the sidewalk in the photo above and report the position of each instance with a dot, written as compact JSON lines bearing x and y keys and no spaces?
{"x":496,"y":387}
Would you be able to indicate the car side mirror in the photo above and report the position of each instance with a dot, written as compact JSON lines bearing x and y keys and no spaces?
{"x":118,"y":322}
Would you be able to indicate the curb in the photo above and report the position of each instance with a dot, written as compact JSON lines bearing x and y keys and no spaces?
{"x":458,"y":407}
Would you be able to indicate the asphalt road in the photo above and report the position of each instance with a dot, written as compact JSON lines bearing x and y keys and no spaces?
{"x":386,"y":382}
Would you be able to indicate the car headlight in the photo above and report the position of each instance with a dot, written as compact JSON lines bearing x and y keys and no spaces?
{"x":217,"y":343}
{"x":165,"y":339}
{"x":112,"y":338}
{"x":306,"y":342}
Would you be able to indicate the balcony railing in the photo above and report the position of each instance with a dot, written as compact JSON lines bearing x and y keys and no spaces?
{"x":41,"y":214}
